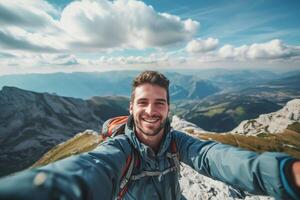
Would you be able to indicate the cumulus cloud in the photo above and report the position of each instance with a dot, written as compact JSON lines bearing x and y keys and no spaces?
{"x":199,"y":45}
{"x":90,"y":25}
{"x":57,"y":60}
{"x":274,"y":49}
{"x":123,"y":24}
{"x":28,"y":42}
{"x":30,"y":15}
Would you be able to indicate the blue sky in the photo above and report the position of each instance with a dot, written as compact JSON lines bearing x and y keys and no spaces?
{"x":97,"y":35}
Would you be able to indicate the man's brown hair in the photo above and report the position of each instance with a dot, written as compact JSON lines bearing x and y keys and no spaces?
{"x":151,"y":77}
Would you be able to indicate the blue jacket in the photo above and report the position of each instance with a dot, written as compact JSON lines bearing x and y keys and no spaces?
{"x":97,"y":174}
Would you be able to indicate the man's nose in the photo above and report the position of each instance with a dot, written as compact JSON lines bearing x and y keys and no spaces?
{"x":150,"y":109}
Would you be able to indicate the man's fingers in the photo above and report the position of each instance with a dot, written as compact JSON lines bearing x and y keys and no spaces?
{"x":296,"y":172}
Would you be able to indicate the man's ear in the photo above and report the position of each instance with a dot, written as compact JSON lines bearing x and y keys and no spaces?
{"x":130,"y":107}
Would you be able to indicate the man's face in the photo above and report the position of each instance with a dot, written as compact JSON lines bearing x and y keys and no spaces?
{"x":149,"y":109}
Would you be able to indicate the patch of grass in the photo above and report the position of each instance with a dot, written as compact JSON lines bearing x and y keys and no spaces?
{"x":78,"y":144}
{"x":287,"y":142}
{"x":214,"y":111}
{"x":263,"y":135}
{"x":239,"y":111}
{"x":294,"y":127}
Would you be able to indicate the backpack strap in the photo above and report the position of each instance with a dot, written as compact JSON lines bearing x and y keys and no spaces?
{"x":131,"y":162}
{"x":174,"y":155}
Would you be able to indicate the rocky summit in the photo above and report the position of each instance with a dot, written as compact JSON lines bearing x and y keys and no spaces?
{"x":274,"y":122}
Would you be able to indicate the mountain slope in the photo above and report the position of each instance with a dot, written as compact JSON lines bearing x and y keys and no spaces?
{"x":31,"y":123}
{"x":274,"y":122}
{"x":223,"y":113}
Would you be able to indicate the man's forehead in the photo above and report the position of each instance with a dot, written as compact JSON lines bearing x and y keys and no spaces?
{"x":149,"y":90}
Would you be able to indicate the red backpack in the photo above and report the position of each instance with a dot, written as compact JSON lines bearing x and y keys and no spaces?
{"x":116,"y":126}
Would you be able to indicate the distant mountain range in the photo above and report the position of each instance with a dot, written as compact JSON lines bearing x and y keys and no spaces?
{"x":224,"y":111}
{"x":87,"y":85}
{"x":185,"y":84}
{"x":31,"y":123}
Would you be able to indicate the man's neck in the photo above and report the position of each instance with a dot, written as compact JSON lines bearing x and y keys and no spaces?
{"x":152,"y":141}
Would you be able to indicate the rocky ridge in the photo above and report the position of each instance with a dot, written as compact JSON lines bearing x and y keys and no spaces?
{"x":31,"y":123}
{"x":274,"y":122}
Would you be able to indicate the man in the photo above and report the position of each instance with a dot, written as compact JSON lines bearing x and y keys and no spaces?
{"x":98,"y":173}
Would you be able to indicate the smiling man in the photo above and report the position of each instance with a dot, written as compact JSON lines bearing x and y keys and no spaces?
{"x":99,"y":174}
{"x":149,"y":107}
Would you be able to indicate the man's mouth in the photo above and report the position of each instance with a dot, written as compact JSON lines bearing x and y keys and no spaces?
{"x":151,"y":120}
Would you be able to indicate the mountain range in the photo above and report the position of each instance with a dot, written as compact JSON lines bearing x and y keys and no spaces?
{"x":31,"y":123}
{"x":185,"y":84}
{"x":86,"y":85}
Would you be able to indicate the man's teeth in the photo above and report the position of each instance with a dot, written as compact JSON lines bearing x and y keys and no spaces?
{"x":151,"y":120}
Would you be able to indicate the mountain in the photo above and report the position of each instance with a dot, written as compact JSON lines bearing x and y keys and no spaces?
{"x":274,"y":122}
{"x":223,"y":112}
{"x":31,"y":123}
{"x":86,"y":85}
{"x":278,"y":91}
{"x":78,"y":84}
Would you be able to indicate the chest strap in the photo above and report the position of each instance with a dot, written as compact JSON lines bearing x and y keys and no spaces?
{"x":175,"y":167}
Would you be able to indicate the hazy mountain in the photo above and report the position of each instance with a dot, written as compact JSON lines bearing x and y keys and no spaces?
{"x":274,"y":122}
{"x":224,"y":113}
{"x":77,"y":84}
{"x":279,"y":90}
{"x":86,"y":85}
{"x":31,"y":123}
{"x":190,"y":87}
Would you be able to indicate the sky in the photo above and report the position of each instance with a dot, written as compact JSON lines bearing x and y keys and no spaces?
{"x":98,"y":35}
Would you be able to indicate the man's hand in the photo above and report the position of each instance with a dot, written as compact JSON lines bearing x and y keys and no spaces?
{"x":296,"y":173}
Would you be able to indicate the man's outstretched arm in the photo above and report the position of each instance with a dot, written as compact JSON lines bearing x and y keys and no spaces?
{"x":256,"y":173}
{"x":92,"y":175}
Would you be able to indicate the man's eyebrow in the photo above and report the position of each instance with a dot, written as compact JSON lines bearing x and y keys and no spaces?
{"x":142,"y":99}
{"x":161,"y":100}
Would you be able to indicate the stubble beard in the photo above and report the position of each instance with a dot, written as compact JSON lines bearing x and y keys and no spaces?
{"x":155,"y":132}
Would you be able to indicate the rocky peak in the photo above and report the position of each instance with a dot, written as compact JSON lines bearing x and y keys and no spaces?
{"x":180,"y":124}
{"x":274,"y":122}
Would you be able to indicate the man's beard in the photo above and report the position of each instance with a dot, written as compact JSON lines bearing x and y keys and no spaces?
{"x":154,"y":132}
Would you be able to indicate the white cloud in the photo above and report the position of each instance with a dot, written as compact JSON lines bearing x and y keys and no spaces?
{"x":274,"y":49}
{"x":123,"y":24}
{"x":90,"y":25}
{"x":34,"y":15}
{"x":199,"y":45}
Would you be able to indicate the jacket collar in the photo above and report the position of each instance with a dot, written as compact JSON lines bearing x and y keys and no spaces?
{"x":145,"y":151}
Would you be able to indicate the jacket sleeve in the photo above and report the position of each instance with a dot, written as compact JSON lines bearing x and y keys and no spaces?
{"x":247,"y":170}
{"x":92,"y":175}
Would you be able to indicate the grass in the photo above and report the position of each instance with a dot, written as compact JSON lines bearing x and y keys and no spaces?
{"x":288,"y":141}
{"x":240,"y":111}
{"x":213,"y":112}
{"x":80,"y":143}
{"x":294,"y":126}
